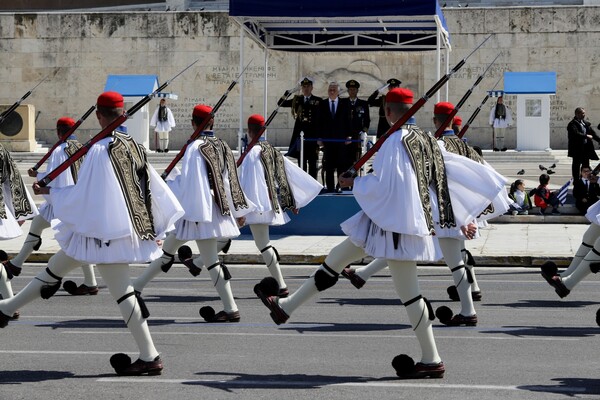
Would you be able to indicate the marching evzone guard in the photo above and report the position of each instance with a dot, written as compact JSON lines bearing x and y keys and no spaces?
{"x":44,"y":219}
{"x":208,"y":188}
{"x":452,"y":241}
{"x":111,"y":217}
{"x":585,"y":261}
{"x":410,"y":179}
{"x":275,"y":185}
{"x":16,"y":206}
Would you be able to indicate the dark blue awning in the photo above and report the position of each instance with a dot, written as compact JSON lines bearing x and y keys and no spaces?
{"x":338,"y":25}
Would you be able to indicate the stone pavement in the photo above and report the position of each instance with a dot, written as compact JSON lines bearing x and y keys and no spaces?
{"x":501,"y":244}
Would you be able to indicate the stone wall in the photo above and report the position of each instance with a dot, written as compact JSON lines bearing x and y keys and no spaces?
{"x":80,"y":50}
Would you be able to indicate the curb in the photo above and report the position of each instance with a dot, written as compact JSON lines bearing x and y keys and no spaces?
{"x":303,"y":259}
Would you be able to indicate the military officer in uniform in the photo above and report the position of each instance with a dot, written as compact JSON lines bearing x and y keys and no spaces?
{"x":304,"y":109}
{"x":359,"y":120}
{"x":375,"y":100}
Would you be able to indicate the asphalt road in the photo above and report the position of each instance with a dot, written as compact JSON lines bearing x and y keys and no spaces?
{"x":528,"y":344}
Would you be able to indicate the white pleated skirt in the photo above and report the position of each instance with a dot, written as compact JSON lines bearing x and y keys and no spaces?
{"x":127,"y":250}
{"x":221,"y":226}
{"x":380,"y":244}
{"x":9,"y":227}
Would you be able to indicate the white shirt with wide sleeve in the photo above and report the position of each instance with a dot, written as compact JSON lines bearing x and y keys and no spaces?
{"x":254,"y":185}
{"x":95,"y":225}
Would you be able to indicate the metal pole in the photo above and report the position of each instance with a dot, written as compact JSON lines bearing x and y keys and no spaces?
{"x":266,"y":87}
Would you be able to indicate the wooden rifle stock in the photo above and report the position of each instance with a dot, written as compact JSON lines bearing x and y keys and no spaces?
{"x":250,"y":145}
{"x":105,"y":132}
{"x":412,"y":111}
{"x":201,"y":127}
{"x":64,"y":137}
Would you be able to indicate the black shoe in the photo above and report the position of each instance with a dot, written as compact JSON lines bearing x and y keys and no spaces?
{"x":503,"y":149}
{"x":354,"y":279}
{"x":496,"y":149}
{"x":166,"y":150}
{"x":139,"y":367}
{"x":159,"y":150}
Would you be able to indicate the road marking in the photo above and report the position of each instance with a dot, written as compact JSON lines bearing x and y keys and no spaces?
{"x":304,"y":383}
{"x":322,"y":335}
{"x":59,"y":352}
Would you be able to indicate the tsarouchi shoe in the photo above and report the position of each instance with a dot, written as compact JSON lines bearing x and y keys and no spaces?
{"x":459,"y":320}
{"x":549,"y":273}
{"x":407,"y":369}
{"x":283,"y":292}
{"x":140,"y":367}
{"x":81,"y":290}
{"x":223,"y":316}
{"x":353,"y":277}
{"x":277,"y":314}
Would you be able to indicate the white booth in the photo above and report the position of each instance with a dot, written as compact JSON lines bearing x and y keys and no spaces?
{"x":533,"y":91}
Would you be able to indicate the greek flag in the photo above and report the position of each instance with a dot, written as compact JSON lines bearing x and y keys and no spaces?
{"x":561,"y":195}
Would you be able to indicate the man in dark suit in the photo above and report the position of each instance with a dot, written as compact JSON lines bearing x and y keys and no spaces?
{"x":305,"y":110}
{"x":585,"y":190}
{"x":359,"y":120}
{"x":375,"y":100}
{"x":334,"y":129}
{"x":580,"y":146}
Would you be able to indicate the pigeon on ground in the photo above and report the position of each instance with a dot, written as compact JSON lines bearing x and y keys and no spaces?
{"x":549,"y":172}
{"x":521,"y":172}
{"x":542,"y":168}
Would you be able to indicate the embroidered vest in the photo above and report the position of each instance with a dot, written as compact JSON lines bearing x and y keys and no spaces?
{"x":219,"y":157}
{"x":131,"y":168}
{"x":70,"y":149}
{"x":9,"y":172}
{"x":276,"y":178}
{"x":428,"y":163}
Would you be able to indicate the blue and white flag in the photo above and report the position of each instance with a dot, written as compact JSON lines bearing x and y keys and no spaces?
{"x":561,"y":195}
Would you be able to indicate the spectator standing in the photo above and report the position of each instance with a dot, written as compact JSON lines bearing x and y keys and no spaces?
{"x":580,"y":145}
{"x":585,"y":190}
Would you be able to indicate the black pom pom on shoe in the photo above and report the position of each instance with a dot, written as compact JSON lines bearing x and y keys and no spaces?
{"x":268,"y":286}
{"x":208,"y":313}
{"x":404,"y":365}
{"x":120,"y":362}
{"x":70,"y":287}
{"x":444,"y":314}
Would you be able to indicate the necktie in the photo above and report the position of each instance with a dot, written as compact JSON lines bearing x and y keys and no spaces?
{"x":332,"y":108}
{"x":586,"y":183}
{"x":305,"y":100}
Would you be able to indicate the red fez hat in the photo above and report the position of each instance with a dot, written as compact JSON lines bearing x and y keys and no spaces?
{"x":256,"y":119}
{"x":110,"y":100}
{"x":443,"y":108}
{"x":65,"y":121}
{"x":457,"y":120}
{"x":201,"y":111}
{"x":399,"y":95}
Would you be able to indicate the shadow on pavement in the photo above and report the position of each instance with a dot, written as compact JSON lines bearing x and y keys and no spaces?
{"x":568,"y":386}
